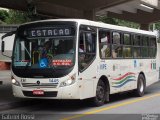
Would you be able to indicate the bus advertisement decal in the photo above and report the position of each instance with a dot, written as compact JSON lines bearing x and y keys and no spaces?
{"x":120,"y":81}
{"x":135,"y":63}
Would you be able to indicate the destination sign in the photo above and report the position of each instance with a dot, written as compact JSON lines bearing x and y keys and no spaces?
{"x":50,"y":32}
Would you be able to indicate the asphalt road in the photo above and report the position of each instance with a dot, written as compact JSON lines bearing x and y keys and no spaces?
{"x":121,"y":106}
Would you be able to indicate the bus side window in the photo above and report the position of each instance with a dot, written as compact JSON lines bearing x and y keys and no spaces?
{"x":152,"y":47}
{"x":145,"y":46}
{"x":104,"y":42}
{"x":87,"y":48}
{"x":136,"y":46}
{"x":127,"y":45}
{"x":116,"y":46}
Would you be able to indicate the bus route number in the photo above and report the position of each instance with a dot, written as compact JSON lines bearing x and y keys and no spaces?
{"x":52,"y":80}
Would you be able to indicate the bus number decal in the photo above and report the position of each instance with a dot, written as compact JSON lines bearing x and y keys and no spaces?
{"x":51,"y":80}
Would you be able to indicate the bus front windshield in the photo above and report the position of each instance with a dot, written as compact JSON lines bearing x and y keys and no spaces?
{"x":44,"y":52}
{"x":44,"y":48}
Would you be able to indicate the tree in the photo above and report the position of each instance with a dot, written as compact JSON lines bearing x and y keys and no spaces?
{"x":155,"y":26}
{"x":107,"y":20}
{"x":116,"y":21}
{"x":3,"y":16}
{"x":127,"y":24}
{"x":17,"y":17}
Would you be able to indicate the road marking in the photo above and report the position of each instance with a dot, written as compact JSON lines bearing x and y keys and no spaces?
{"x":111,"y":107}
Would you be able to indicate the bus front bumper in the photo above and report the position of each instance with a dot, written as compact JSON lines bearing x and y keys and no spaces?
{"x":67,"y":92}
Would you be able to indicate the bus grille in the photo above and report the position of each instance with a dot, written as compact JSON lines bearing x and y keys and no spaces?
{"x":42,"y":85}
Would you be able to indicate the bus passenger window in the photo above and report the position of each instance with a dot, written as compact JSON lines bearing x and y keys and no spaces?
{"x":116,"y":51}
{"x":87,"y":48}
{"x":136,"y":40}
{"x":104,"y":40}
{"x":127,"y":45}
{"x":127,"y":51}
{"x":116,"y":47}
{"x":116,"y":38}
{"x":136,"y":46}
{"x":144,"y":47}
{"x":152,"y":47}
{"x":136,"y":52}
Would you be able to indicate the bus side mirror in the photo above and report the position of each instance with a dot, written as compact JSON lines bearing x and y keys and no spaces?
{"x":3,"y":43}
{"x":3,"y":46}
{"x":8,"y":34}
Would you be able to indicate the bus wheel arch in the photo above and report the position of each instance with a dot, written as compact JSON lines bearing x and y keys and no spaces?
{"x":141,"y":85}
{"x":102,"y":92}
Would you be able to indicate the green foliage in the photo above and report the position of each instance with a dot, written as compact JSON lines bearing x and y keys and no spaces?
{"x":107,"y":20}
{"x":3,"y":16}
{"x":116,"y":21}
{"x":155,"y":25}
{"x":17,"y":17}
{"x":127,"y":24}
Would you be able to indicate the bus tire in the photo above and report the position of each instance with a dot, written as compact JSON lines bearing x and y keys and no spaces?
{"x":140,"y":86}
{"x":100,"y":97}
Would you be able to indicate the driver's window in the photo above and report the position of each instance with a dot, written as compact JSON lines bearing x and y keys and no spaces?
{"x":87,"y":47}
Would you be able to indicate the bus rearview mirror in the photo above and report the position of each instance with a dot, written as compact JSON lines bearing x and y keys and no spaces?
{"x":3,"y":46}
{"x":3,"y":43}
{"x":8,"y":34}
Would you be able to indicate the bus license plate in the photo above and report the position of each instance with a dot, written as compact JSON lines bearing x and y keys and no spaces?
{"x":38,"y":92}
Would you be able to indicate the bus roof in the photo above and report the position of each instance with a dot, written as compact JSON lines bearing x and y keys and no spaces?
{"x":100,"y":25}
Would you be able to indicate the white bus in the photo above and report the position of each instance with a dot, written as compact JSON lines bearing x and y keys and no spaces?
{"x":80,"y":59}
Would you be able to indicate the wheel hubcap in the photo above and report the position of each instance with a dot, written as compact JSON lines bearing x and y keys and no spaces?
{"x":100,"y":93}
{"x":141,"y":86}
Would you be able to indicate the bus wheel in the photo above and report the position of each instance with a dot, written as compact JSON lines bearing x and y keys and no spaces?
{"x":140,"y":86}
{"x":100,"y":97}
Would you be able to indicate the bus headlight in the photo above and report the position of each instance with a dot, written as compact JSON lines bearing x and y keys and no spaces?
{"x":68,"y":82}
{"x":15,"y":82}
